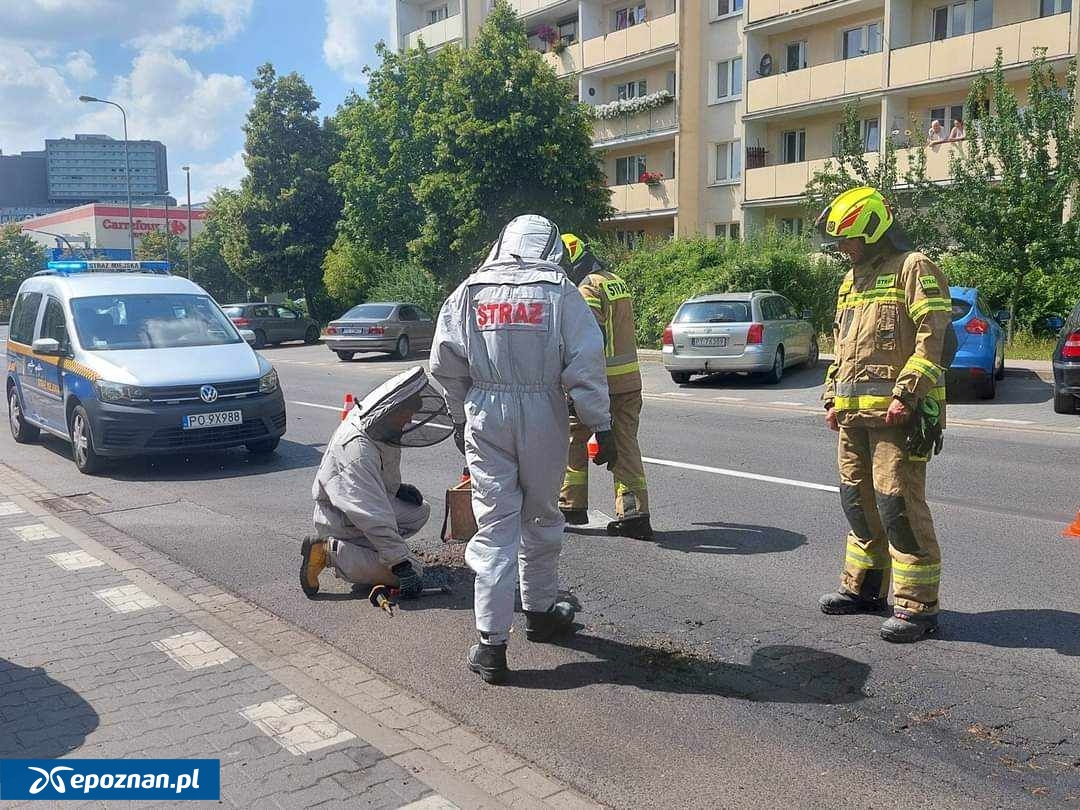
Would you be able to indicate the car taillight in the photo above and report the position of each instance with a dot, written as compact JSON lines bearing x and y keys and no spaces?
{"x":1071,"y":349}
{"x":755,"y":334}
{"x":668,"y":339}
{"x":376,"y":330}
{"x":977,"y":326}
{"x":331,"y":330}
{"x":242,"y":322}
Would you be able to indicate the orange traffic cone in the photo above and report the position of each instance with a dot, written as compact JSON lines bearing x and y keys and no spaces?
{"x":1073,"y":529}
{"x":594,"y":447}
{"x":465,"y":476}
{"x":348,"y":406}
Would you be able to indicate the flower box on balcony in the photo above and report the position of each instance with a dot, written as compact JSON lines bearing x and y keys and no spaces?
{"x":651,"y":178}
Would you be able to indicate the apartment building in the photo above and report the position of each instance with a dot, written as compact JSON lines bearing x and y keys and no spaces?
{"x":906,"y":64}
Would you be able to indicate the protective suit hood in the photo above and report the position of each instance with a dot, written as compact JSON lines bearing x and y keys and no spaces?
{"x":528,"y":238}
{"x":377,"y":414}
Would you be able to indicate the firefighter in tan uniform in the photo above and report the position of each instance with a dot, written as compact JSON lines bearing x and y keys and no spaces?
{"x":609,"y":298}
{"x":885,"y":395}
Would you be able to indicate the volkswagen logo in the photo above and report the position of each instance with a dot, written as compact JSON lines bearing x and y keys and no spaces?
{"x":208,"y":394}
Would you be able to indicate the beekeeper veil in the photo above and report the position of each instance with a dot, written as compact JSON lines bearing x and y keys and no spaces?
{"x":529,"y":237}
{"x":406,"y":411}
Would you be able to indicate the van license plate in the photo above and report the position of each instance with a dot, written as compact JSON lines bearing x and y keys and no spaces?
{"x":208,"y":420}
{"x":713,"y":342}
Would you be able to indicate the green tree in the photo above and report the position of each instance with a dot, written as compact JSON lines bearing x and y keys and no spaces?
{"x":449,"y":146}
{"x":349,"y":270}
{"x":157,"y":245}
{"x":20,"y":257}
{"x":287,"y":204}
{"x":1011,"y":184}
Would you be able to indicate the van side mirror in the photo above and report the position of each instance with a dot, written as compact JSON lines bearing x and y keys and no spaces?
{"x":49,"y":347}
{"x":248,"y":336}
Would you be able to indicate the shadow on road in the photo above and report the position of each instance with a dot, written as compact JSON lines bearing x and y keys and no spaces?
{"x":775,"y":674}
{"x":1021,"y":386}
{"x":1020,"y":629}
{"x":45,"y":718}
{"x":730,"y":538}
{"x":795,"y":379}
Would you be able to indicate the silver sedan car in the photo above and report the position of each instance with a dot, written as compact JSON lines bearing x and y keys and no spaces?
{"x":395,"y":327}
{"x":757,"y":332}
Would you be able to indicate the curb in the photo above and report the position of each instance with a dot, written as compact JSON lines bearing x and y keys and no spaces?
{"x":451,"y":758}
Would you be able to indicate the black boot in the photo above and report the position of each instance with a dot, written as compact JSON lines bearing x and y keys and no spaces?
{"x":905,"y":627}
{"x":488,"y":661}
{"x":543,"y":625}
{"x":575,"y":517}
{"x":409,"y":582}
{"x":841,"y":603}
{"x":637,"y":527}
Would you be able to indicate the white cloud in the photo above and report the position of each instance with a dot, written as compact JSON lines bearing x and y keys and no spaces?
{"x":80,"y":66}
{"x":352,"y":28}
{"x":206,"y":178}
{"x":34,"y":100}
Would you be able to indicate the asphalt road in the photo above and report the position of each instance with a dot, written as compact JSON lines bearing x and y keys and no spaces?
{"x":704,"y":675}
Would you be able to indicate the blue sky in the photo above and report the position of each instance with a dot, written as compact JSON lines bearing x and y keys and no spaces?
{"x":181,"y":68}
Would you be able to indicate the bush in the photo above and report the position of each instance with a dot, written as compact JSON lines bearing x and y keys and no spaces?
{"x":409,"y":283}
{"x":349,"y":270}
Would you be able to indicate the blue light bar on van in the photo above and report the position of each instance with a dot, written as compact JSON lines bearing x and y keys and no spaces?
{"x":94,"y":266}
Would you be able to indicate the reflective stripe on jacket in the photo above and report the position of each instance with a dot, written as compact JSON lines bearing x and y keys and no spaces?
{"x":608,"y":296}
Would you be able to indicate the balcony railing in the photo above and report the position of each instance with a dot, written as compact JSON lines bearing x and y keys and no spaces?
{"x":787,"y":180}
{"x":638,"y":39}
{"x":566,"y":61}
{"x":523,"y":7}
{"x":641,"y":198}
{"x":612,"y":130}
{"x":819,"y":83}
{"x":956,"y":56}
{"x":436,"y":34}
{"x":763,"y":9}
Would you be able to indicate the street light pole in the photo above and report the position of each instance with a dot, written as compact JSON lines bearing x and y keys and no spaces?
{"x":187,"y":171}
{"x":127,"y":165}
{"x":71,"y":250}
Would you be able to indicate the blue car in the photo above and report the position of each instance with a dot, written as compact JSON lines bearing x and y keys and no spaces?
{"x":980,"y":358}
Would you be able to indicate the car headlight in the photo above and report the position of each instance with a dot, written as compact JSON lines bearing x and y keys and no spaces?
{"x":118,"y":392}
{"x":268,"y":382}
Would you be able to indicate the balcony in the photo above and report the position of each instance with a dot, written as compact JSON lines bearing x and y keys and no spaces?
{"x":434,"y":35}
{"x":786,"y":180}
{"x":662,"y":121}
{"x":644,"y":198}
{"x":759,"y":10}
{"x":643,"y":38}
{"x":523,"y":7}
{"x":567,"y":62}
{"x":819,"y":83}
{"x":956,"y":56}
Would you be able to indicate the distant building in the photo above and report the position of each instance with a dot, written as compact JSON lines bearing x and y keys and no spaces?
{"x":91,"y":168}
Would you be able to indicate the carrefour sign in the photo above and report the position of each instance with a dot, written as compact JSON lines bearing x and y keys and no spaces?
{"x":143,"y":226}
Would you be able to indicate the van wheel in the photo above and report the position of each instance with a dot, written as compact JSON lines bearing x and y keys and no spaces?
{"x":21,"y":430}
{"x":86,"y":458}
{"x":264,"y":447}
{"x":680,"y":377}
{"x":401,"y":351}
{"x":774,"y":376}
{"x":1064,"y":403}
{"x":344,"y":356}
{"x":260,"y":339}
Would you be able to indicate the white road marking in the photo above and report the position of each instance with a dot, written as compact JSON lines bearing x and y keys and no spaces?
{"x":195,"y":650}
{"x":35,"y":531}
{"x":730,"y":399}
{"x":768,"y":479}
{"x":75,"y":560}
{"x":9,"y":508}
{"x":315,"y":405}
{"x":127,"y":599}
{"x":676,"y":394}
{"x":788,"y":402}
{"x":1010,"y":421}
{"x":295,"y":725}
{"x":435,"y":802}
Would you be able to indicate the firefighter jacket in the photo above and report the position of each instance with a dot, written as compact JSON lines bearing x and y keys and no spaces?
{"x":608,"y":296}
{"x":892,"y":317}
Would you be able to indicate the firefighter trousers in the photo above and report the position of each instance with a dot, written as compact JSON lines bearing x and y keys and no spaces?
{"x":631,"y":490}
{"x":883,"y":494}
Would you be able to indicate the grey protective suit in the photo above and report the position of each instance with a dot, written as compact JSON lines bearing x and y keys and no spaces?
{"x":356,"y":505}
{"x":510,"y":343}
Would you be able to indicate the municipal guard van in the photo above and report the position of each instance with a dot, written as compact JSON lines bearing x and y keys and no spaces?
{"x":123,"y":359}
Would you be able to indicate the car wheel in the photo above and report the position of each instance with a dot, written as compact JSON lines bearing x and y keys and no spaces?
{"x":680,"y":377}
{"x":260,"y":339}
{"x":777,"y":373}
{"x":264,"y":447}
{"x":1000,"y":373}
{"x":815,"y":354}
{"x":312,"y":335}
{"x":82,"y":443}
{"x":401,"y":351}
{"x":21,"y":430}
{"x":986,"y":388}
{"x":1064,"y":403}
{"x":345,"y":356}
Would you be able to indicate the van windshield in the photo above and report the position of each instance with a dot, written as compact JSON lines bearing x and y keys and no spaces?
{"x":112,"y":322}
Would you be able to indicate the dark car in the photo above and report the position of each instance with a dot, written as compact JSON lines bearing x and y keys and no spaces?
{"x":381,"y":326}
{"x":1067,"y":366}
{"x":272,"y":323}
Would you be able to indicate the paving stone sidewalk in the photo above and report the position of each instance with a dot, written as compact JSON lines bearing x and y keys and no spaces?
{"x":109,"y":649}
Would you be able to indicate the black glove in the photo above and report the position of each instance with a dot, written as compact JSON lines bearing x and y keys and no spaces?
{"x":410,"y":494}
{"x":459,"y":437}
{"x":608,"y":454}
{"x":409,"y":582}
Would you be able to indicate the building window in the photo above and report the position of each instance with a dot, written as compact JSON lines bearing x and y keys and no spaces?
{"x":957,"y":19}
{"x":726,"y":230}
{"x":793,"y":146}
{"x":729,"y":79}
{"x":632,"y":89}
{"x":862,"y":40}
{"x":630,"y":239}
{"x":726,"y":7}
{"x":628,"y":16}
{"x":438,"y":14}
{"x":568,"y":32}
{"x":792,"y":225}
{"x":795,"y":55}
{"x":728,"y":161}
{"x":629,"y":169}
{"x":1048,"y":8}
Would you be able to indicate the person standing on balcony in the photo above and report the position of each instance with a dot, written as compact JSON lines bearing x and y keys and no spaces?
{"x":936,"y":133}
{"x":957,"y":131}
